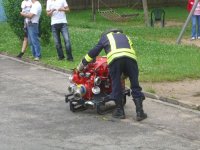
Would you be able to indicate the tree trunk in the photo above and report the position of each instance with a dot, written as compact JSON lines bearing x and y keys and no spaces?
{"x":145,"y":8}
{"x":94,"y":10}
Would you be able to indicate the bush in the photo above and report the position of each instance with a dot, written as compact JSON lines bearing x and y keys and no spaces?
{"x":45,"y":26}
{"x":16,"y":21}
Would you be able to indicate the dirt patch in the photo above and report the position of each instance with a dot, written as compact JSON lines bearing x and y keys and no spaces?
{"x":173,"y":23}
{"x":168,"y":24}
{"x":188,"y":41}
{"x":187,"y":91}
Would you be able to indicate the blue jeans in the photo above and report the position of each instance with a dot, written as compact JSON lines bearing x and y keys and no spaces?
{"x":195,"y":26}
{"x":63,"y":29}
{"x":33,"y":38}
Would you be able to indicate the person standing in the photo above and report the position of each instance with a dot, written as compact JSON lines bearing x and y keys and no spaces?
{"x":26,"y":7}
{"x":33,"y":28}
{"x":56,"y":9}
{"x":121,"y":60}
{"x":195,"y":19}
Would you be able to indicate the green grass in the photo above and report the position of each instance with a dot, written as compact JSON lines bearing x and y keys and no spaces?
{"x":159,"y":58}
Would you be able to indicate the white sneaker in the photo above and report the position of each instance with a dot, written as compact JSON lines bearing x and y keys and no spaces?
{"x":193,"y":38}
{"x":36,"y":59}
{"x":198,"y":37}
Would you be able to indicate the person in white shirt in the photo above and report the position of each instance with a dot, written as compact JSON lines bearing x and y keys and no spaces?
{"x":26,"y":7}
{"x":32,"y":27}
{"x":56,"y":9}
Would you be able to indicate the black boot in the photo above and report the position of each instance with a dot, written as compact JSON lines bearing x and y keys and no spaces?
{"x":119,"y":111}
{"x":139,"y":109}
{"x":20,"y":55}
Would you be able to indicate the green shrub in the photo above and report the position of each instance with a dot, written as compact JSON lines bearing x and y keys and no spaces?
{"x":45,"y":25}
{"x":15,"y":20}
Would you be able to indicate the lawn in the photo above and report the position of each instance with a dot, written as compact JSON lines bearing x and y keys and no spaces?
{"x":159,"y":57}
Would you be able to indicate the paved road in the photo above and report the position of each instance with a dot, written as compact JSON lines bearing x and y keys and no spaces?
{"x":34,"y":116}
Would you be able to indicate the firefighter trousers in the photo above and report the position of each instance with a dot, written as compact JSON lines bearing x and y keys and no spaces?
{"x":128,"y":67}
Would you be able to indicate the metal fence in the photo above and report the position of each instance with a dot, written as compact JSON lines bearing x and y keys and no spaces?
{"x":85,"y":4}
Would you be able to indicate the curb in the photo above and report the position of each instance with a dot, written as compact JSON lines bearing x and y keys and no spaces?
{"x":172,"y":101}
{"x":36,"y":63}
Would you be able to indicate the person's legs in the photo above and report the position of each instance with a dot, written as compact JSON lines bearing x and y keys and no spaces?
{"x":24,"y":47}
{"x":65,"y":33}
{"x":133,"y":74}
{"x":136,"y":93}
{"x":56,"y":35}
{"x":194,"y":23}
{"x":35,"y":40}
{"x":115,"y":73}
{"x":30,"y":38}
{"x":24,"y":44}
{"x":198,"y":26}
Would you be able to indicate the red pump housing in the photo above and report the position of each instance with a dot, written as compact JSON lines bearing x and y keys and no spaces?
{"x":91,"y":87}
{"x":94,"y":75}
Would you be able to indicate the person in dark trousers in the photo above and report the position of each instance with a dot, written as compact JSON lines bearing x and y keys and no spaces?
{"x":121,"y":60}
{"x":57,"y":10}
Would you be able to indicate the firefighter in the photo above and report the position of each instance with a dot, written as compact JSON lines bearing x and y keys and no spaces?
{"x":121,"y":60}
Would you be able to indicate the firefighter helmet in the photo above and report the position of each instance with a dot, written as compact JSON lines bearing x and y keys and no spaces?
{"x":111,"y":30}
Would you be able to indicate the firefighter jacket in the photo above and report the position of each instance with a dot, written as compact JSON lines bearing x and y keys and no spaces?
{"x":116,"y":45}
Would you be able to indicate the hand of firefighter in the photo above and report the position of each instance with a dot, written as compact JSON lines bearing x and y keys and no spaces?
{"x":80,"y":67}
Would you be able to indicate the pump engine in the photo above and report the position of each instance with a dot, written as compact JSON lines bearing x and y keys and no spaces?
{"x":91,"y":87}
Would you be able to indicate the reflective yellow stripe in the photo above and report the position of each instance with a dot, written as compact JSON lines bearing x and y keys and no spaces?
{"x":88,"y":58}
{"x":125,"y":55}
{"x":130,"y":42}
{"x":112,"y":41}
{"x":121,"y":53}
{"x":120,"y":50}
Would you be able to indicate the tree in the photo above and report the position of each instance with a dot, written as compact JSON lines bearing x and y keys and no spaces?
{"x":145,"y":8}
{"x":16,"y":21}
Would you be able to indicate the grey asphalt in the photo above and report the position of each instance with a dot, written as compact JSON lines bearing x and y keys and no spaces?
{"x":34,"y":116}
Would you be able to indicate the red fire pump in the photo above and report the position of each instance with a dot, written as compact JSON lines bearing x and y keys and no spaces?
{"x":91,"y":87}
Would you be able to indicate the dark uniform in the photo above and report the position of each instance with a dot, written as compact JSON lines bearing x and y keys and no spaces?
{"x":121,"y":59}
